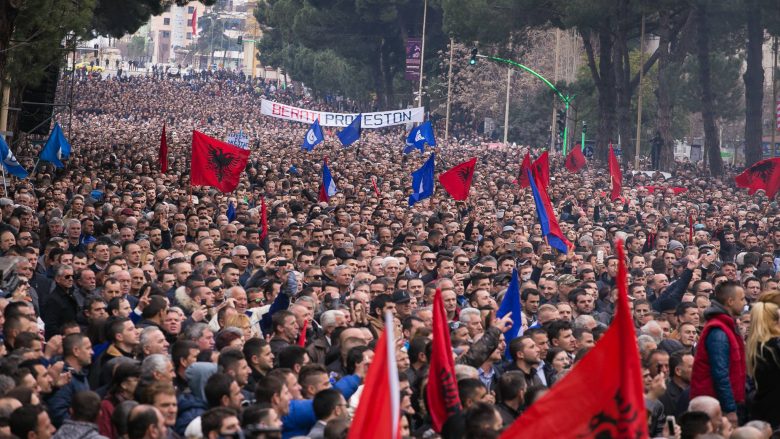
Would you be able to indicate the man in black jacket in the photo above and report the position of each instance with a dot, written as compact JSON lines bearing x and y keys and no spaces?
{"x":64,"y":303}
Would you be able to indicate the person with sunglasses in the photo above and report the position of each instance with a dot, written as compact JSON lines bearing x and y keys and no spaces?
{"x":63,"y":303}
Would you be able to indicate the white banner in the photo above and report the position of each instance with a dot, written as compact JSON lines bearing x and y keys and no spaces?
{"x":370,"y":120}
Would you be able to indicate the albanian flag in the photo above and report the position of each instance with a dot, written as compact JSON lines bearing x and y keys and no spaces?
{"x":163,"y":156}
{"x":762,"y":175}
{"x":442,"y":390}
{"x":575,"y":160}
{"x":216,"y":163}
{"x":457,"y":180}
{"x":541,"y":170}
{"x":615,"y":174}
{"x":588,"y":402}
{"x":522,"y":180}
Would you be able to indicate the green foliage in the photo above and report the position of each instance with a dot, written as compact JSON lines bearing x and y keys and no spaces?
{"x":111,"y":18}
{"x":136,"y":47}
{"x":366,"y":35}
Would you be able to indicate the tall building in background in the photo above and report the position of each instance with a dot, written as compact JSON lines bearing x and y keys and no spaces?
{"x":171,"y":33}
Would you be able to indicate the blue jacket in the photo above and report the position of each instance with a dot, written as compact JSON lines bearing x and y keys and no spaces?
{"x":190,"y":407}
{"x":301,"y":418}
{"x":60,"y":401}
{"x":717,"y":345}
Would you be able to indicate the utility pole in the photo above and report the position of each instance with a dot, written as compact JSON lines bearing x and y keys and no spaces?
{"x":639,"y":94}
{"x":506,"y":107}
{"x":449,"y":90}
{"x":422,"y":53}
{"x":555,"y":80}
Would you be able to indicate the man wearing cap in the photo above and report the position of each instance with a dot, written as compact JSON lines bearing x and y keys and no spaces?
{"x":566,"y":283}
{"x":403,"y":307}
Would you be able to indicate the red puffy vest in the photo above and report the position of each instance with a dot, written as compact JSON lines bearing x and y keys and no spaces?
{"x":701,"y":378}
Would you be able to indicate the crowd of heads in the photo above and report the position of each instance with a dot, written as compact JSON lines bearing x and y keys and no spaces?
{"x":138,"y":306}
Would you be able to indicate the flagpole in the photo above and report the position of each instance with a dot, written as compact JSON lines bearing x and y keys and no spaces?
{"x":36,"y":165}
{"x":506,"y":108}
{"x":5,"y":183}
{"x":422,"y":54}
{"x":449,"y":90}
{"x":639,"y":95}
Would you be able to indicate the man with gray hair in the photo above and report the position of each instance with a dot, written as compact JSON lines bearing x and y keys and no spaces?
{"x":711,"y":407}
{"x":152,"y":341}
{"x":653,"y":329}
{"x":329,"y":320}
{"x":201,"y":334}
{"x":61,"y":304}
{"x":471,"y":318}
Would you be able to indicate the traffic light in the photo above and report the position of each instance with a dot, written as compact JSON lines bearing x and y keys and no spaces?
{"x":240,"y":40}
{"x":584,"y":127}
{"x":473,"y":60}
{"x":96,"y":50}
{"x":560,"y":122}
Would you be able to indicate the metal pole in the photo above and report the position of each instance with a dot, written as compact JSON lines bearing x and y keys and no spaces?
{"x":553,"y":124}
{"x":422,"y":54}
{"x":449,"y":90}
{"x":566,"y":126}
{"x":506,"y":105}
{"x":639,"y":94}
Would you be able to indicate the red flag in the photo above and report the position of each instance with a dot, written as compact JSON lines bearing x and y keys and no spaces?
{"x":762,"y":175}
{"x":302,"y":335}
{"x":378,"y":414}
{"x":588,"y":402}
{"x":163,"y":156}
{"x":376,"y":189}
{"x":690,"y":229}
{"x":216,"y":163}
{"x":549,"y":223}
{"x":526,"y":166}
{"x":615,"y":174}
{"x":457,"y":180}
{"x":575,"y":160}
{"x":442,"y":391}
{"x":194,"y":21}
{"x":541,"y":170}
{"x":263,"y":220}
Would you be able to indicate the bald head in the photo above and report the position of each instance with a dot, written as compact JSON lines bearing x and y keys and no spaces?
{"x":747,"y":433}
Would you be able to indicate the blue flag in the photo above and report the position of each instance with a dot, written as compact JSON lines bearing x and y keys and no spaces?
{"x":9,"y":161}
{"x":56,"y":147}
{"x":511,"y":303}
{"x":351,"y":133}
{"x":422,"y":182}
{"x":313,"y":137}
{"x":293,"y":170}
{"x":546,"y":216}
{"x":231,"y":212}
{"x":419,"y":136}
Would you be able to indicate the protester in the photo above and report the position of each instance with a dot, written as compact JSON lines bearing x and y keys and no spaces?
{"x":262,"y":308}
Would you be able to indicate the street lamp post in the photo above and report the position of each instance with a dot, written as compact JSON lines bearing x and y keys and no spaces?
{"x":566,"y":99}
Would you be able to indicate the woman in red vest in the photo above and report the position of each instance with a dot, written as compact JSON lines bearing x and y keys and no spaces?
{"x":763,"y":358}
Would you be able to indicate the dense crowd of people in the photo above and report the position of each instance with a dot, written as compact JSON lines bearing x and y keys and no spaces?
{"x":138,"y":307}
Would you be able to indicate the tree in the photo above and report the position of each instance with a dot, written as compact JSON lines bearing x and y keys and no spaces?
{"x":136,"y":47}
{"x":368,"y":35}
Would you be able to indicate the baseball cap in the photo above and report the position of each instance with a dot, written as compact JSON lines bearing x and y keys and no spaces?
{"x":507,"y":229}
{"x":401,"y":296}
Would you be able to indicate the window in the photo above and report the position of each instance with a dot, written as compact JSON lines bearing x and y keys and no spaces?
{"x":166,"y":34}
{"x":190,"y":9}
{"x":189,"y":23}
{"x":166,"y":21}
{"x":189,"y":35}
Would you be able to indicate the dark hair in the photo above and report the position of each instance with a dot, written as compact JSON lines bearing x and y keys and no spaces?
{"x":229,"y":357}
{"x":253,"y":346}
{"x":516,"y":345}
{"x":681,"y":308}
{"x":85,"y":406}
{"x":266,"y":389}
{"x":529,"y":292}
{"x":279,"y":317}
{"x":181,"y":350}
{"x":510,"y":384}
{"x":467,"y":388}
{"x":71,"y":342}
{"x":555,"y":327}
{"x":140,"y":419}
{"x":291,"y":356}
{"x":25,"y":419}
{"x":726,"y":290}
{"x":325,"y":402}
{"x":115,"y":326}
{"x":157,"y":303}
{"x":217,"y":386}
{"x":479,"y":421}
{"x":693,"y":424}
{"x":354,"y":356}
{"x":211,"y":420}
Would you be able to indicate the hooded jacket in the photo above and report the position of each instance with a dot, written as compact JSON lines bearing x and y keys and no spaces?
{"x":193,"y":403}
